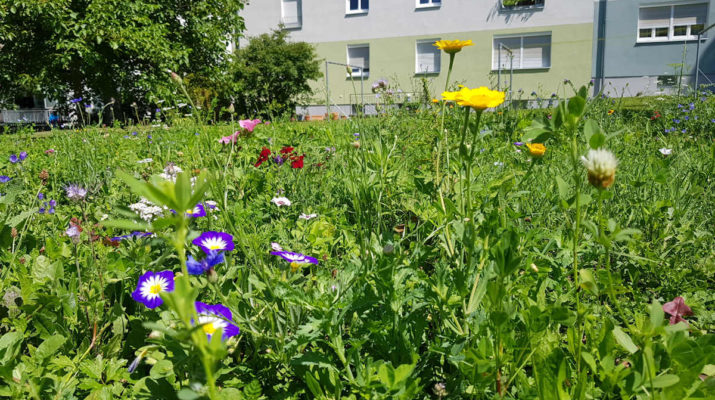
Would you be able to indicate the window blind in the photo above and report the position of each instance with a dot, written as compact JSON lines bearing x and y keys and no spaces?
{"x":654,"y":17}
{"x":428,"y":58}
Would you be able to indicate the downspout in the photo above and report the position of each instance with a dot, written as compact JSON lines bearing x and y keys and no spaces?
{"x":601,"y":47}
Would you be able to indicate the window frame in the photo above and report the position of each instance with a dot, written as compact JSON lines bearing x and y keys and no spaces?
{"x":417,"y":54}
{"x":292,"y":25}
{"x":365,"y":71}
{"x":671,"y":24}
{"x":521,"y":36}
{"x":431,"y":4}
{"x":359,"y":10}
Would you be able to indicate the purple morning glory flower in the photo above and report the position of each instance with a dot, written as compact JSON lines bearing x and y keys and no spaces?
{"x":126,"y":137}
{"x":23,"y":156}
{"x":518,"y":143}
{"x":13,"y":158}
{"x":687,"y":117}
{"x":5,"y":179}
{"x":216,"y":317}
{"x":52,"y":203}
{"x":680,"y":106}
{"x":278,"y":160}
{"x":134,"y":133}
{"x":77,"y":100}
{"x":684,"y":130}
{"x":41,"y":210}
{"x":677,"y":121}
{"x":199,"y":267}
{"x":713,"y":120}
{"x":151,"y":285}
{"x":214,"y":241}
{"x":131,"y":235}
{"x":692,"y":106}
{"x":197,"y":211}
{"x":40,"y":196}
{"x":75,"y":192}
{"x":295,"y":257}
{"x":148,"y":136}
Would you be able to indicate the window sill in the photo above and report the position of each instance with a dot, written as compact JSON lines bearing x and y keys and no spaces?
{"x":534,"y":69}
{"x":430,"y":73}
{"x":292,"y":26}
{"x":356,"y":12}
{"x":357,"y":76}
{"x":667,"y":40}
{"x":428,"y":6}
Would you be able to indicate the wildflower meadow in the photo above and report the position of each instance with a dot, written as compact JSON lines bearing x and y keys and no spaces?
{"x":464,"y":248}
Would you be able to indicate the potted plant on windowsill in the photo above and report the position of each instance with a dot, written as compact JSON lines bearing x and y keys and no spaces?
{"x":521,"y":4}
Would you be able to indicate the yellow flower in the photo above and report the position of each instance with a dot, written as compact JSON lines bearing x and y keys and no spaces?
{"x":435,"y":101}
{"x":452,"y":46}
{"x":536,"y":150}
{"x":610,"y":112}
{"x":479,"y":98}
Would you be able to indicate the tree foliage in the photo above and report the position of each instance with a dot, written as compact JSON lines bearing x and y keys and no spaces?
{"x":106,"y":49}
{"x":272,"y":75}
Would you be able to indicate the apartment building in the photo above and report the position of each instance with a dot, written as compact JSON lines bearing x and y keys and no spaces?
{"x":651,"y":46}
{"x":535,"y":44}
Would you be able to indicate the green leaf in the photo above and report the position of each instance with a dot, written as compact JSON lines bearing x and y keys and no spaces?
{"x":587,"y":281}
{"x":624,"y":340}
{"x":161,"y":369}
{"x":590,"y":361}
{"x":187,"y":394}
{"x":49,"y":347}
{"x":666,"y":380}
{"x":597,"y":140}
{"x":656,"y":314}
{"x":576,"y":106}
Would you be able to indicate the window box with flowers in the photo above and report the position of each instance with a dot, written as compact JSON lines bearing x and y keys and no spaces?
{"x":509,"y":5}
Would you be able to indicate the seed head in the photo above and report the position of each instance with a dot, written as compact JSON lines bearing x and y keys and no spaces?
{"x":601,"y":165}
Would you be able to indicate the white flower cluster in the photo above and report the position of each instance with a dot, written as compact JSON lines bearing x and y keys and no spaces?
{"x":146,"y":209}
{"x":170,"y":172}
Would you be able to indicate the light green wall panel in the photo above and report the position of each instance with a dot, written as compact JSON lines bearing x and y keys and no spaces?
{"x":394,"y":59}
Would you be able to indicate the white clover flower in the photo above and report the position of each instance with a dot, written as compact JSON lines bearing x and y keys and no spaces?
{"x":665,"y":151}
{"x":307,"y":216}
{"x":601,"y":165}
{"x":281,"y":201}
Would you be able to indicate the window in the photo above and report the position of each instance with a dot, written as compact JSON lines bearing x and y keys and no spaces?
{"x":675,"y":22}
{"x":427,"y":57}
{"x":291,"y":13}
{"x":428,"y":3}
{"x":359,"y":56}
{"x":522,"y":52}
{"x":522,"y":3}
{"x":357,"y":6}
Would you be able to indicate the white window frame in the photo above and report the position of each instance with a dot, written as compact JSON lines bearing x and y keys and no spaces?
{"x":359,"y":10}
{"x":521,"y":49}
{"x":671,"y":25}
{"x":356,"y":74}
{"x":417,"y":57}
{"x":292,"y":25}
{"x":431,"y":4}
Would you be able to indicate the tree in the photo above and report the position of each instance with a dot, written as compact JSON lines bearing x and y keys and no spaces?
{"x":111,"y":49}
{"x":272,"y":75}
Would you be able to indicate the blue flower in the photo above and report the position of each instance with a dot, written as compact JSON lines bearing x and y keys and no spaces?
{"x":23,"y":156}
{"x":216,"y":317}
{"x":77,"y":100}
{"x":13,"y":158}
{"x":5,"y":179}
{"x":40,"y":196}
{"x":199,"y":267}
{"x":214,"y":241}
{"x":151,"y":285}
{"x":677,"y":121}
{"x":134,"y":133}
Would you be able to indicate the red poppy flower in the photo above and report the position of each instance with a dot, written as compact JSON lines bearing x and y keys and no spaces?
{"x":286,"y":150}
{"x":297,"y":162}
{"x":265,"y":153}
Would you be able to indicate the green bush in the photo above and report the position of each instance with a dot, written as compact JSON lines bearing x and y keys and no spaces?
{"x":271,"y":75}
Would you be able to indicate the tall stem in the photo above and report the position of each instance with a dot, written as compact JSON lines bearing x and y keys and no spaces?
{"x":577,"y":226}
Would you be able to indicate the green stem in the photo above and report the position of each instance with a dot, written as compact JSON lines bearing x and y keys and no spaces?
{"x":577,"y":226}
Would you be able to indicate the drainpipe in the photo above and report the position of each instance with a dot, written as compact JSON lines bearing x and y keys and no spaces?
{"x":601,"y":47}
{"x":697,"y":56}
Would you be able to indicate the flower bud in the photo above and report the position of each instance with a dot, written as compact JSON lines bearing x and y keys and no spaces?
{"x":601,"y":165}
{"x":211,"y":275}
{"x":175,"y":77}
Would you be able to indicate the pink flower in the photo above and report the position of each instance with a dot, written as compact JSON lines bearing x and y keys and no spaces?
{"x":248,"y":124}
{"x":50,"y":151}
{"x":229,"y":139}
{"x":677,"y":309}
